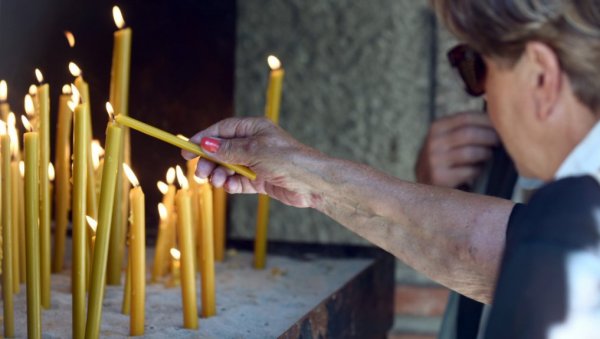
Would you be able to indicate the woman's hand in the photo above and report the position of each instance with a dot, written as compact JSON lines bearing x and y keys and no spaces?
{"x":278,"y":160}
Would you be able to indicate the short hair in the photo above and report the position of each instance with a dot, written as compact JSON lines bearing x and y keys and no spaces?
{"x":501,"y":29}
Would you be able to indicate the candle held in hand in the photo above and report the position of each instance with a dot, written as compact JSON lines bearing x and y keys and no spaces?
{"x":179,"y":142}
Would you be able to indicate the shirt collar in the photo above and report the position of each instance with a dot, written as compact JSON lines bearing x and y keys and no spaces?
{"x":584,"y":159}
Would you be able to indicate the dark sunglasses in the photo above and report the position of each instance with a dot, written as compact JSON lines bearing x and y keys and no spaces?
{"x":470,"y":66}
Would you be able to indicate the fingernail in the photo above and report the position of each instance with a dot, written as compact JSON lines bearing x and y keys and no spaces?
{"x":210,"y":145}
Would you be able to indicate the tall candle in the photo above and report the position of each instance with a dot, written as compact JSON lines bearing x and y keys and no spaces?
{"x":220,"y":208}
{"x":107,"y":194}
{"x":31,"y":143}
{"x":272,"y":113}
{"x":188,"y":273}
{"x":21,"y":203}
{"x":138,"y":254}
{"x":207,"y":260}
{"x":63,"y":178}
{"x":91,"y":205}
{"x":43,"y":96}
{"x":78,"y":277}
{"x":14,"y":169}
{"x":7,"y":229}
{"x":119,"y":97}
{"x":158,"y":267}
{"x":175,"y":267}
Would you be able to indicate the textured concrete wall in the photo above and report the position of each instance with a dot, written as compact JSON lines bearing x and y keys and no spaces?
{"x":356,"y":87}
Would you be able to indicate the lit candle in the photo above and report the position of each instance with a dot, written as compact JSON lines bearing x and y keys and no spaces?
{"x":207,"y":259}
{"x":4,"y":106}
{"x":137,"y":254}
{"x":161,"y":244}
{"x":220,"y":208}
{"x":97,"y":162}
{"x":21,"y":203}
{"x":119,"y":97}
{"x":91,"y":205}
{"x":7,"y":229}
{"x":43,"y":96}
{"x":175,"y":267}
{"x":31,"y":171}
{"x":18,"y":232}
{"x":272,"y":113}
{"x":63,"y":177}
{"x":105,"y":209}
{"x":188,"y":273}
{"x":179,"y":142}
{"x":93,"y":224}
{"x":78,"y":270}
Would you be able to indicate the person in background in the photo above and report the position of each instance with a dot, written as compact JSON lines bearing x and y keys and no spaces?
{"x":536,"y":62}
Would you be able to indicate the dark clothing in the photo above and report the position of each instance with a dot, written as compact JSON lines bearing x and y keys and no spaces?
{"x":531,"y":296}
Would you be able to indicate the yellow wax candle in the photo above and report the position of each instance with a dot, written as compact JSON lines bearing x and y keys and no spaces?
{"x":14,"y":169}
{"x":119,"y":97}
{"x":7,"y":229}
{"x":175,"y":267}
{"x":188,"y":273}
{"x":105,"y":209}
{"x":207,"y":260}
{"x":4,"y":106}
{"x":43,"y":96}
{"x":168,"y":191}
{"x":63,"y":178}
{"x":161,"y":244}
{"x":34,"y":323}
{"x":137,"y":254}
{"x":84,"y":90}
{"x":220,"y":208}
{"x":272,"y":113}
{"x":93,"y":224}
{"x":126,"y":306}
{"x":78,"y":276}
{"x":21,"y":203}
{"x":178,"y":142}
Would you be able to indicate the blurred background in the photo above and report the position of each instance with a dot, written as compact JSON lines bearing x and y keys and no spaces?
{"x":363,"y":82}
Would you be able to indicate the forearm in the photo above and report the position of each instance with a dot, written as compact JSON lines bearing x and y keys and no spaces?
{"x":455,"y":238}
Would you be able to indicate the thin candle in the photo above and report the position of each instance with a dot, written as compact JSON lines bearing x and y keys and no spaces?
{"x":175,"y":267}
{"x":207,"y":260}
{"x":43,"y":112}
{"x":7,"y":229}
{"x":4,"y":106}
{"x":107,"y":194}
{"x":179,"y":142}
{"x":188,"y":273}
{"x":31,"y":172}
{"x":93,"y":225}
{"x":161,"y":244}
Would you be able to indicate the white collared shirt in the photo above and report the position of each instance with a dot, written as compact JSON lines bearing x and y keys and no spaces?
{"x":584,"y":159}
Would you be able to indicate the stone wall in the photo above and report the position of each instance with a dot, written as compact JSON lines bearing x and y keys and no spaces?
{"x":357,"y":86}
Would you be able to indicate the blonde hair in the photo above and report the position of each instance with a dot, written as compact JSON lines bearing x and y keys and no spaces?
{"x":501,"y":28}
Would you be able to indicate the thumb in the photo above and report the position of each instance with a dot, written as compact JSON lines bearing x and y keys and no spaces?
{"x":239,"y":151}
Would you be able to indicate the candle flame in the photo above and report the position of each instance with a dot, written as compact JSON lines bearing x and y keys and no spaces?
{"x":97,"y":152}
{"x":170,"y":176}
{"x":14,"y":139}
{"x":11,"y":119}
{"x":70,"y":38}
{"x":273,"y":62}
{"x":32,"y":90}
{"x":175,"y":253}
{"x":26,"y":123}
{"x":29,"y":108}
{"x":183,"y":137}
{"x":51,"y":172}
{"x":130,"y":175}
{"x":183,"y":182}
{"x":66,"y":89}
{"x":39,"y":76}
{"x":92,"y":223}
{"x":3,"y":90}
{"x":110,"y":110}
{"x":162,"y":187}
{"x":162,"y":211}
{"x":22,"y":168}
{"x":75,"y":95}
{"x":118,"y":16}
{"x":72,"y":105}
{"x":74,"y":69}
{"x":200,"y":181}
{"x":2,"y":128}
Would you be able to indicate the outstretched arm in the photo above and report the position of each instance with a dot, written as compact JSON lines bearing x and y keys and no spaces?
{"x":455,"y":238}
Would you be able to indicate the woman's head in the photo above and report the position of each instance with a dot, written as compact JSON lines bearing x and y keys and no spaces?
{"x":543,"y":63}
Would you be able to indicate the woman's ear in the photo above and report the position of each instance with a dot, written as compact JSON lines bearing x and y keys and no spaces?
{"x":546,"y":73}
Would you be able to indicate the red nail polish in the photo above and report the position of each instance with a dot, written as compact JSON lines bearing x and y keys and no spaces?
{"x":210,"y":145}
